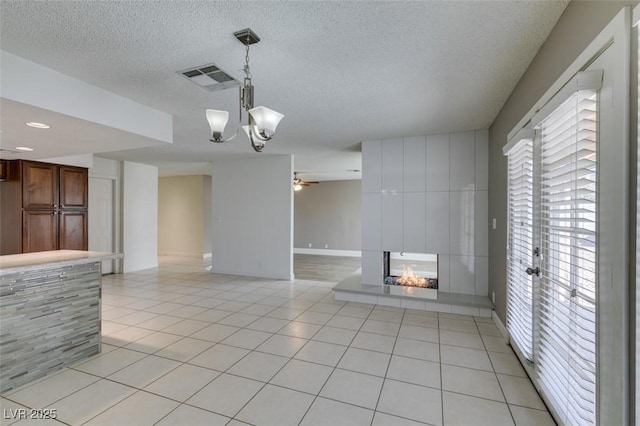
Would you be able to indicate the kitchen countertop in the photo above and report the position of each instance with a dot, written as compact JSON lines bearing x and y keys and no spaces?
{"x":57,"y":258}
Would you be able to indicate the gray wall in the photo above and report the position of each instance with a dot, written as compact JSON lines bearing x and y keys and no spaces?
{"x":576,"y":28}
{"x":328,"y":213}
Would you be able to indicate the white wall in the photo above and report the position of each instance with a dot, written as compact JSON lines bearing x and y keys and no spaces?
{"x":33,"y":84}
{"x":253,"y":217}
{"x":103,"y":167}
{"x":428,"y":194}
{"x":81,"y":160}
{"x":181,"y":208}
{"x":110,"y":169}
{"x":140,"y":216}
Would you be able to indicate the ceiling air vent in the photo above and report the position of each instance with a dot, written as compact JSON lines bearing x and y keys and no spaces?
{"x":210,"y":77}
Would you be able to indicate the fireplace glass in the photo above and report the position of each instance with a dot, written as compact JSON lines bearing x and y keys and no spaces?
{"x":410,"y":269}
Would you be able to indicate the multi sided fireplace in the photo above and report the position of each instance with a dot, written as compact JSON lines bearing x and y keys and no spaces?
{"x":411,"y":274}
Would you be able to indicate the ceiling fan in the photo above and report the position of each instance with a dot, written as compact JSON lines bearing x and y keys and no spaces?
{"x":298,"y":183}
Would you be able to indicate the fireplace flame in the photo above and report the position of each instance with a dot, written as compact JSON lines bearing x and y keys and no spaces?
{"x":408,"y":278}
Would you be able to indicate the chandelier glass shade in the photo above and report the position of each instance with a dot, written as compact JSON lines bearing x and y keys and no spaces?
{"x":217,"y":121}
{"x":261,"y":121}
{"x":266,"y":121}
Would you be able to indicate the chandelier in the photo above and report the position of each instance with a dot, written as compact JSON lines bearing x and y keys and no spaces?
{"x":261,"y":121}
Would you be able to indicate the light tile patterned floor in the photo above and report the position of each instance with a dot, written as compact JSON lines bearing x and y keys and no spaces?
{"x":184,"y":347}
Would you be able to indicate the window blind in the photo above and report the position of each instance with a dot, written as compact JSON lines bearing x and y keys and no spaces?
{"x":520,"y":246}
{"x":566,"y":339}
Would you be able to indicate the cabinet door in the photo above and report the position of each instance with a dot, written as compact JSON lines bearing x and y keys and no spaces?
{"x":4,"y":170}
{"x":73,"y":188}
{"x":39,"y":185}
{"x":39,"y":230}
{"x":73,"y":230}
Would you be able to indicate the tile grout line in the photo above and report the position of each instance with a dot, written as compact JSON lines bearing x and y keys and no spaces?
{"x":441,"y":375}
{"x":336,"y":366}
{"x":310,"y":295}
{"x":281,"y":368}
{"x":496,"y":375}
{"x":384,"y":380}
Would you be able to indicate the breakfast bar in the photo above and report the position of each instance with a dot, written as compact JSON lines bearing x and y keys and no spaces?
{"x":50,"y":306}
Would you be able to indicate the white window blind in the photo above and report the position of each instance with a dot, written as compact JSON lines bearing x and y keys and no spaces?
{"x":520,"y":246}
{"x":566,"y":345}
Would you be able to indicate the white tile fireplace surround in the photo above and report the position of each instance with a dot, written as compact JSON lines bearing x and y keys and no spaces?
{"x":429,"y":194}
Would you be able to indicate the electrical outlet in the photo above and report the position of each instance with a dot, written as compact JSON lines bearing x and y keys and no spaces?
{"x":494,"y":223}
{"x":493,"y":295}
{"x":309,"y":245}
{"x":326,"y":246}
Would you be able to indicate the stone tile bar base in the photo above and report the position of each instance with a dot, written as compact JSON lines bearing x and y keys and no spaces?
{"x":49,"y":318}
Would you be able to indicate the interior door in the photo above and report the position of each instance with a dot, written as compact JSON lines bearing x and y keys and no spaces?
{"x":101,"y":218}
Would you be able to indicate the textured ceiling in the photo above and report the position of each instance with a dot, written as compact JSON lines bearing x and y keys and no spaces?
{"x":341,"y":71}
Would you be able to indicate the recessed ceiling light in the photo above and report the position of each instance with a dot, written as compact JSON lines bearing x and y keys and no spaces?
{"x":37,"y":125}
{"x":24,"y":148}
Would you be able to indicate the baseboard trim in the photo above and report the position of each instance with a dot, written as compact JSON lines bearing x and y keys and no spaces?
{"x":328,"y":252}
{"x":182,"y":254}
{"x":244,"y":273}
{"x":501,"y":327}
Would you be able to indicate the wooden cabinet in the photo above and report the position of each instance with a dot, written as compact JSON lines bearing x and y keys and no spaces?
{"x":39,"y":185}
{"x":4,"y":170}
{"x":39,"y":230}
{"x":74,"y":191}
{"x":72,"y":230}
{"x":44,"y":207}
